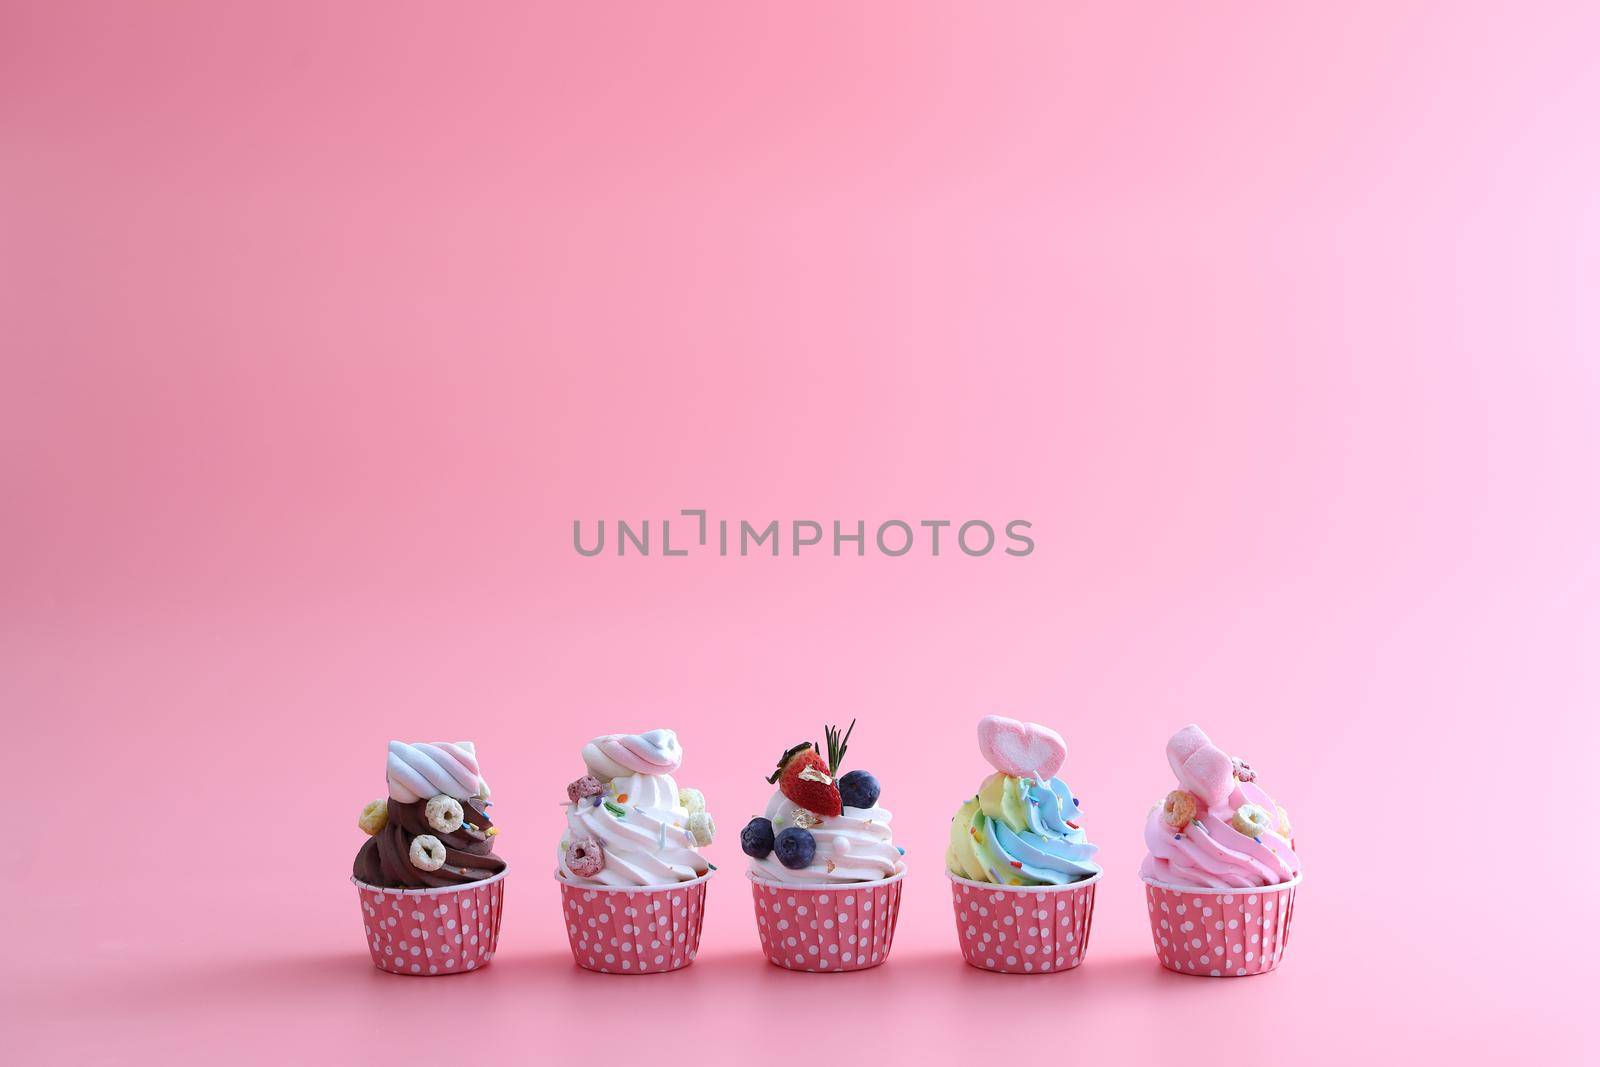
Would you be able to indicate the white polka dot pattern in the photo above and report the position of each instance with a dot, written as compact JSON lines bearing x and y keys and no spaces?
{"x":433,"y":932}
{"x":634,"y":931}
{"x":848,"y":926}
{"x":1021,"y":929}
{"x":1220,"y":933}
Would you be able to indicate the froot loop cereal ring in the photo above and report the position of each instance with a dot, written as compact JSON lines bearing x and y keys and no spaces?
{"x":445,"y":814}
{"x":701,"y":828}
{"x":427,"y":852}
{"x":693,"y":800}
{"x":1177,"y":811}
{"x":1252,"y":820}
{"x":1285,"y":829}
{"x":584,"y":856}
{"x":374,"y":817}
{"x":587,"y":786}
{"x":1242,"y":771}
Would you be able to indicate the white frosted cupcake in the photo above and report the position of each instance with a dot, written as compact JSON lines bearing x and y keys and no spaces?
{"x":633,"y":881}
{"x":824,"y":867}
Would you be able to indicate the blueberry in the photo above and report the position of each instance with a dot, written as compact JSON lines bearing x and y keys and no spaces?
{"x":795,"y":848}
{"x":858,"y":789}
{"x":756,"y":838}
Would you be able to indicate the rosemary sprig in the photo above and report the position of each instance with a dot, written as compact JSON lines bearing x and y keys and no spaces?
{"x":837,"y":746}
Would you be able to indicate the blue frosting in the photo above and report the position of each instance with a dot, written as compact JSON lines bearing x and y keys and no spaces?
{"x":1050,"y":851}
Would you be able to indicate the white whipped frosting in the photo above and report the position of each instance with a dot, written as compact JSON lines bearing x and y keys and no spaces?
{"x":649,"y":844}
{"x":853,"y":847}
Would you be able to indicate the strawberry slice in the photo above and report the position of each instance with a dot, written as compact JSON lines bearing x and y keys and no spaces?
{"x":803,"y":776}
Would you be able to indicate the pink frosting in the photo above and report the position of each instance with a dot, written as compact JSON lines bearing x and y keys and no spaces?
{"x":1209,"y":852}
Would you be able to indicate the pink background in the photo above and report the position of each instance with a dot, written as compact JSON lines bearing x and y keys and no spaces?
{"x":323,"y":322}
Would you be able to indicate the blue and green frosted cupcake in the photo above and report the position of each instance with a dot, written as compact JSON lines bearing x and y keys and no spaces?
{"x":1021,"y":867}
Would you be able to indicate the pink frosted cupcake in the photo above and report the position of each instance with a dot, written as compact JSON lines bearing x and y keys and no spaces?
{"x":1021,"y":869}
{"x":633,"y":882}
{"x":1221,"y":872}
{"x":430,"y":886}
{"x":824,"y":868}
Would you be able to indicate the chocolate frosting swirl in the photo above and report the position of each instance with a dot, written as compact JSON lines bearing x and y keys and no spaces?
{"x":385,"y":860}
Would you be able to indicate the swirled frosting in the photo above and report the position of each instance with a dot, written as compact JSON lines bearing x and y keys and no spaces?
{"x":385,"y":859}
{"x":1210,"y":852}
{"x":1020,"y":831}
{"x":426,"y":769}
{"x":854,"y":846}
{"x":639,"y":819}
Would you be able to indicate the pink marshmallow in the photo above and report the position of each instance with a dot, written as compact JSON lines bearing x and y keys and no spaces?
{"x":1202,"y":768}
{"x":1020,"y":749}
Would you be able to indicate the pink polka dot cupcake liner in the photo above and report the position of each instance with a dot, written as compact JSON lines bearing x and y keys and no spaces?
{"x":1014,"y":929}
{"x":845,"y":926}
{"x":432,"y":932}
{"x":1220,"y":933}
{"x":623,"y":930}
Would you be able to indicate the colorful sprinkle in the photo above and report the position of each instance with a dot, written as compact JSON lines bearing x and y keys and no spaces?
{"x":622,"y":798}
{"x":613,"y":809}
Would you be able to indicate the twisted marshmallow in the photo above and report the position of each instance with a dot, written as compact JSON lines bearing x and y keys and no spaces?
{"x":619,"y":755}
{"x":427,"y":769}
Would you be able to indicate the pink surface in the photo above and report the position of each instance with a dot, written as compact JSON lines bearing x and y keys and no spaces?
{"x":634,"y":931}
{"x":844,"y":927}
{"x":1014,"y":930}
{"x":322,"y":323}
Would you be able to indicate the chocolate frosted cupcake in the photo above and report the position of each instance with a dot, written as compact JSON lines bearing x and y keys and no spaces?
{"x":433,"y":829}
{"x":428,"y":877}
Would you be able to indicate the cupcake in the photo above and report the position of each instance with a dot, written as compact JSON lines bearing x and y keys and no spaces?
{"x":1020,"y":866}
{"x":430,"y":885}
{"x":633,"y":882}
{"x":824,"y":867}
{"x":1221,"y":872}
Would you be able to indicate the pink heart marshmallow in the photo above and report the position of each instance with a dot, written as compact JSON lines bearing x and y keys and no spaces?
{"x":1020,"y":749}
